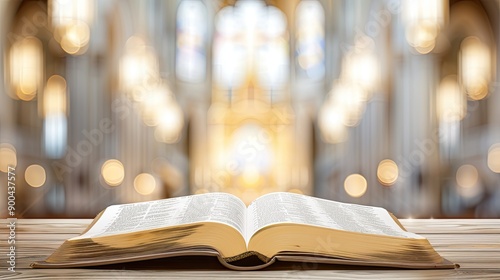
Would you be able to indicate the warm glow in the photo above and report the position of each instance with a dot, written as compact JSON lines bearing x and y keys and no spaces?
{"x":113,"y":172}
{"x":251,"y":41}
{"x":331,"y":121}
{"x":494,"y":158}
{"x":75,"y":38}
{"x":138,"y":67}
{"x":144,"y":183}
{"x":35,"y":175}
{"x":250,"y":176}
{"x":361,"y":68}
{"x":275,"y":22}
{"x":54,"y":96}
{"x":249,"y":195}
{"x":451,"y":104}
{"x":26,"y":67}
{"x":244,"y":159}
{"x":153,"y":102}
{"x":64,"y":12}
{"x":350,"y":99}
{"x":467,"y":176}
{"x":170,"y":122}
{"x":8,"y":157}
{"x":229,"y":65}
{"x":54,"y":107}
{"x":423,"y":20}
{"x":272,"y":64}
{"x":201,"y":191}
{"x":475,"y":67}
{"x":229,"y":57}
{"x":387,"y":172}
{"x":355,"y":185}
{"x":422,"y":37}
{"x":71,"y":20}
{"x":468,"y":181}
{"x":297,"y":191}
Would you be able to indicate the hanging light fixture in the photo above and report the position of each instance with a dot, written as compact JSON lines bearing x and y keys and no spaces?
{"x":310,"y":39}
{"x":423,"y":20}
{"x":475,"y":67}
{"x":192,"y":34}
{"x":170,"y":122}
{"x":26,"y":68}
{"x":346,"y":102}
{"x":139,"y":69}
{"x":361,"y":67}
{"x":55,"y":121}
{"x":451,"y":103}
{"x":140,"y":78}
{"x":71,"y":21}
{"x":331,"y":119}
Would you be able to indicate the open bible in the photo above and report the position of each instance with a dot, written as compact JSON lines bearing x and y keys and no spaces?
{"x":276,"y":226}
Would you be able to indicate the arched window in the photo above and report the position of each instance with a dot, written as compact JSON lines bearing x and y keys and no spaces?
{"x":190,"y":62}
{"x":310,"y":40}
{"x":251,"y":44}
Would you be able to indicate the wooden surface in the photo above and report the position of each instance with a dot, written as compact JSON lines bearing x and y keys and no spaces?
{"x":474,"y":244}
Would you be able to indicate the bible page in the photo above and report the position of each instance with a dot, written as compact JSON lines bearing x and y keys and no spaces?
{"x":214,"y":207}
{"x":284,"y":207}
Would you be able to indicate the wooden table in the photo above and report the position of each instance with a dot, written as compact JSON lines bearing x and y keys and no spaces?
{"x":474,"y":244}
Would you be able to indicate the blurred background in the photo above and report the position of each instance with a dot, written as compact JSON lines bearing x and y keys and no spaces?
{"x":392,"y":103}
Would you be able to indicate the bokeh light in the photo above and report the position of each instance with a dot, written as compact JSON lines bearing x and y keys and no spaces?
{"x":113,"y":172}
{"x":451,"y":102}
{"x":54,"y":107}
{"x":71,"y":20}
{"x":144,"y":183}
{"x":75,"y":38}
{"x":387,"y":172}
{"x":8,"y":157}
{"x":475,"y":67}
{"x":424,"y":20}
{"x":331,"y":123}
{"x":168,"y":94}
{"x":350,"y":99}
{"x":494,"y":158}
{"x":468,"y":185}
{"x":153,"y":102}
{"x":355,"y":185}
{"x":26,"y":67}
{"x":361,"y":68}
{"x":170,"y":123}
{"x":35,"y":175}
{"x":467,"y":176}
{"x":138,"y":67}
{"x":54,"y":96}
{"x":422,"y":37}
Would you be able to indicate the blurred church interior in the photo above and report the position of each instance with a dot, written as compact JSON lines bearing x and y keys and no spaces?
{"x":392,"y":103}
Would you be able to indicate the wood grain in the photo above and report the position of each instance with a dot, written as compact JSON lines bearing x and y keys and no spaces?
{"x":474,"y":244}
